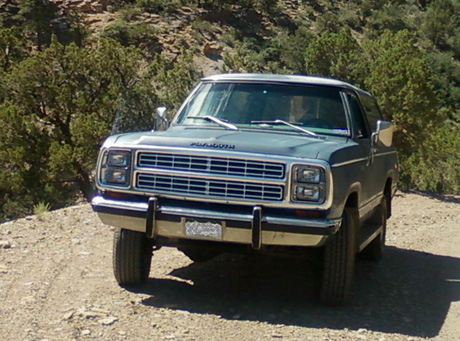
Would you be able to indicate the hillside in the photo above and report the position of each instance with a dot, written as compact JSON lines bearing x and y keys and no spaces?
{"x":56,"y":283}
{"x":70,"y":68}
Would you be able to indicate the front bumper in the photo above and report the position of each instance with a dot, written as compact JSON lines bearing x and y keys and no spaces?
{"x":158,"y":219}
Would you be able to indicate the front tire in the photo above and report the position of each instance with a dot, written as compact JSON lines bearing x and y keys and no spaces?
{"x":132,"y":257}
{"x":339,"y":262}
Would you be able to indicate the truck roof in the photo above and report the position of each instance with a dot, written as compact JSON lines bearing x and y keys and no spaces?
{"x":298,"y":79}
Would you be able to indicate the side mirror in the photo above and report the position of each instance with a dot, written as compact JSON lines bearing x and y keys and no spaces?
{"x":161,"y":116}
{"x":161,"y":112}
{"x":384,"y":133}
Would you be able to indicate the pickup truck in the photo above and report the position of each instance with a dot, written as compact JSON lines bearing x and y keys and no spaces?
{"x":254,"y":163}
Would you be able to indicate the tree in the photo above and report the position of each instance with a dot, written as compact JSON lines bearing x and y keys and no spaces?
{"x":400,"y":78}
{"x":173,"y":80}
{"x":441,"y":22}
{"x":67,"y":96}
{"x":12,"y":47}
{"x":337,"y":55}
{"x":36,"y":17}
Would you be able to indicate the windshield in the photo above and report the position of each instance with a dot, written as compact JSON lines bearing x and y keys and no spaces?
{"x":319,"y":109}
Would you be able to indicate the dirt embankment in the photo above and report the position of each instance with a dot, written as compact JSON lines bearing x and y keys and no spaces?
{"x":56,"y":284}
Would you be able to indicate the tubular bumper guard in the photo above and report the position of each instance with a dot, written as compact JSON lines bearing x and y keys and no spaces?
{"x":256,"y":229}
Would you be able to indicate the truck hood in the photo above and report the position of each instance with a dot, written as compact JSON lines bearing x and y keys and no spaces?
{"x":266,"y":142}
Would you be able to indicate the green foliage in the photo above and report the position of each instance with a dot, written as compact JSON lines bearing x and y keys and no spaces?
{"x":337,"y":55}
{"x":158,"y":6}
{"x":12,"y":47}
{"x":172,"y":81}
{"x":36,"y":17}
{"x":400,"y":78}
{"x":389,"y":17}
{"x":441,"y":23}
{"x":138,"y":34}
{"x":61,"y":101}
{"x":244,"y":59}
{"x":41,"y":208}
{"x":292,"y":48}
{"x":434,"y":165}
{"x":445,"y":76}
{"x":266,"y":6}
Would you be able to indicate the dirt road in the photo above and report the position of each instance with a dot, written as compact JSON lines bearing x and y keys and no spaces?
{"x":56,"y":283}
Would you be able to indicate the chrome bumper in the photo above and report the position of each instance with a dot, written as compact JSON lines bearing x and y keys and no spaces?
{"x":255,"y":229}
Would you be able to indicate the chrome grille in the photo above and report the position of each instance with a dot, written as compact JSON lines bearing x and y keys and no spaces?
{"x":212,"y":165}
{"x":215,"y":188}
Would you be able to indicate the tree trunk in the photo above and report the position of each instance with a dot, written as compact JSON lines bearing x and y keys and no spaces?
{"x":84,"y":183}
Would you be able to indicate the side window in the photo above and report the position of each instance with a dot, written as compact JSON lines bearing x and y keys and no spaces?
{"x":359,"y":123}
{"x":372,"y":111}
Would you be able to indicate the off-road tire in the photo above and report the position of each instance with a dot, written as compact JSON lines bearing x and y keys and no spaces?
{"x":200,"y":256}
{"x":339,"y":262}
{"x":374,"y":251}
{"x":132,"y":257}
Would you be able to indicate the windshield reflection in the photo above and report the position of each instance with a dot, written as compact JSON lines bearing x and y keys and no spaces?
{"x":317,"y":108}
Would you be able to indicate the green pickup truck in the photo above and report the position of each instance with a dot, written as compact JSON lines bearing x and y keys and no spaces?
{"x":254,"y":163}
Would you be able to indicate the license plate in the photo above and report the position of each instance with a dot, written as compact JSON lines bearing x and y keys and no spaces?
{"x":199,"y":229}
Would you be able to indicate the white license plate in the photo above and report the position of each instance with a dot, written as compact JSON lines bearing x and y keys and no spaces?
{"x":199,"y":229}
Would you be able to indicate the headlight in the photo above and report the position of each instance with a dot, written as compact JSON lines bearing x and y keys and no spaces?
{"x":115,"y":168}
{"x":308,"y":193}
{"x":308,"y":184}
{"x":308,"y":174}
{"x":115,"y":176}
{"x":118,"y":159}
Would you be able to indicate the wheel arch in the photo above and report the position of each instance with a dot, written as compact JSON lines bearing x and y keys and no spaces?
{"x":353,"y":196}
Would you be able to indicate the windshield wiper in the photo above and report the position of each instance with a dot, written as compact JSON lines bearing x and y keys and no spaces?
{"x":287,"y":124}
{"x":215,"y":120}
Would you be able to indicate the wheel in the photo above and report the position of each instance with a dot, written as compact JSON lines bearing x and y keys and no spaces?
{"x":374,"y":250}
{"x":339,"y":261}
{"x":200,"y":256}
{"x":132,"y":256}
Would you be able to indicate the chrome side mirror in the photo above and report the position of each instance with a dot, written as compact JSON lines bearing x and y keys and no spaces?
{"x":161,"y":116}
{"x":161,"y":112}
{"x":384,"y":133}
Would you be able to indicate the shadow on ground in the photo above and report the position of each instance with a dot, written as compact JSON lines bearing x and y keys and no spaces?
{"x":409,"y":292}
{"x":447,"y":198}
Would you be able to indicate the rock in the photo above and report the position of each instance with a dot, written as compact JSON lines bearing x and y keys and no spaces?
{"x":212,"y":50}
{"x":5,"y":244}
{"x":102,"y":311}
{"x":108,"y":321}
{"x":3,"y":269}
{"x":67,"y":316}
{"x":90,"y":314}
{"x":85,"y":332}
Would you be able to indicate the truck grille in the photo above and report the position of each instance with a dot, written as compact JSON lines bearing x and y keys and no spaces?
{"x":212,"y":165}
{"x":214,"y":188}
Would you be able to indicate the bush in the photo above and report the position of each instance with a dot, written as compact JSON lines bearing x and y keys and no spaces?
{"x":136,"y":34}
{"x":158,"y":6}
